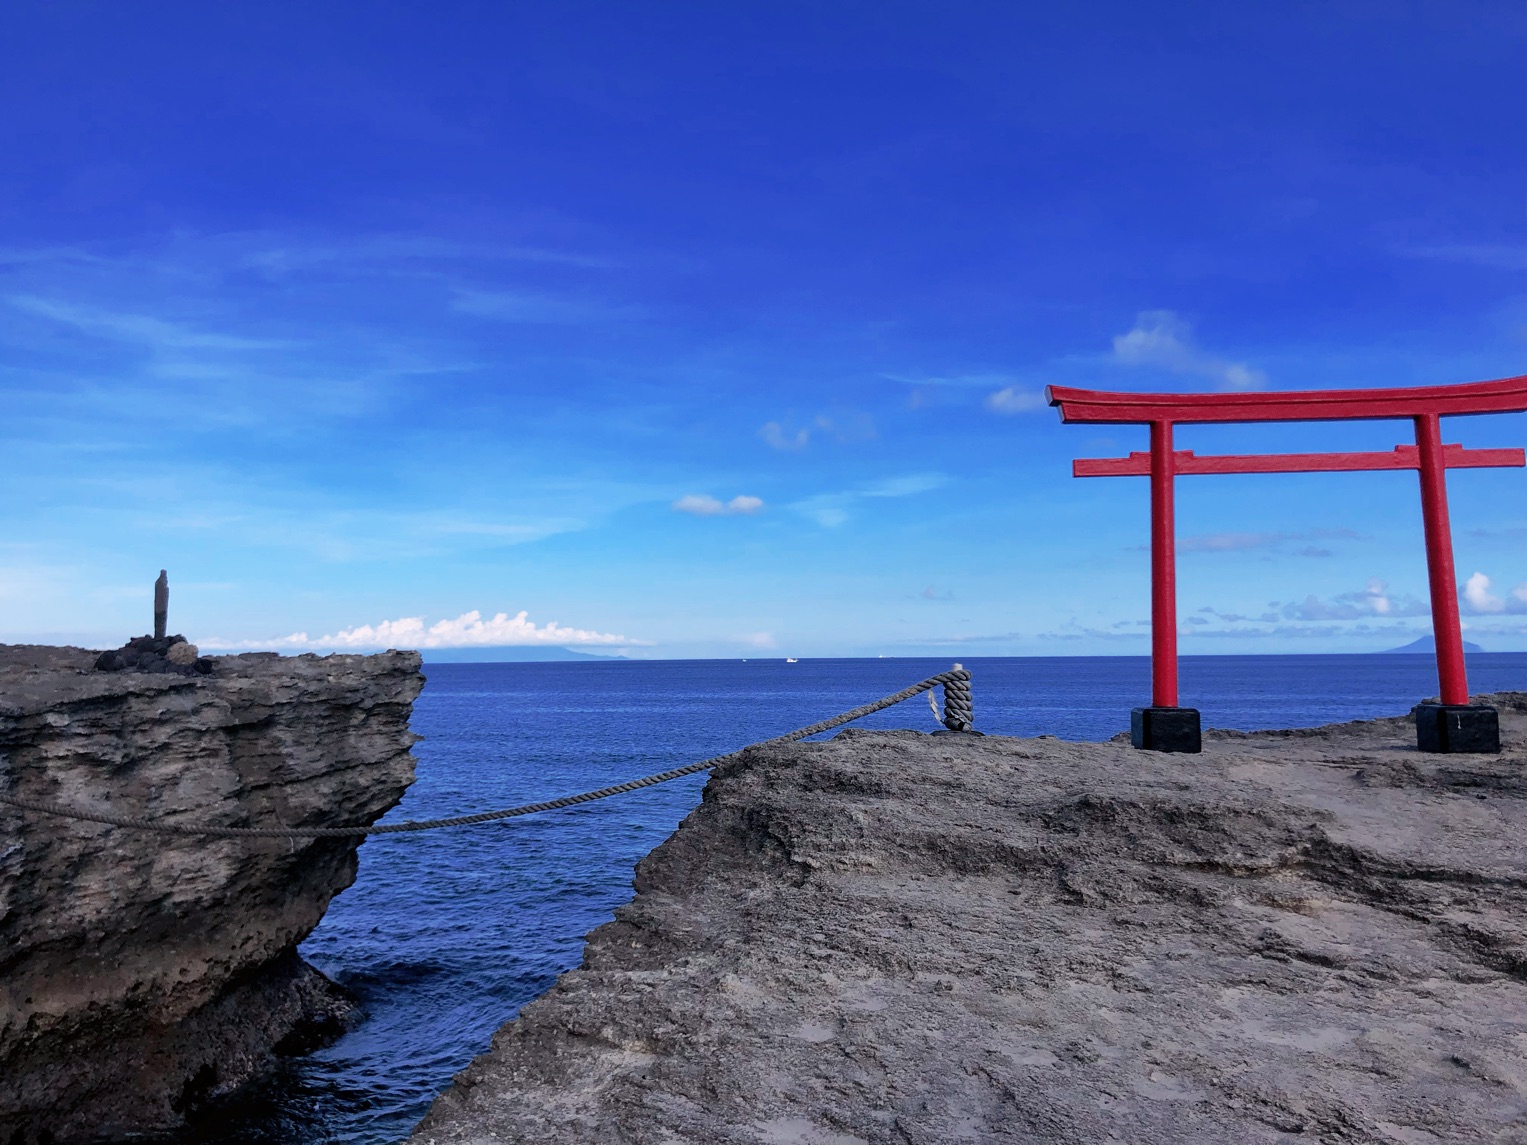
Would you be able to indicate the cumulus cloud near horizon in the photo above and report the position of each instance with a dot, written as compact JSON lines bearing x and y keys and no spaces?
{"x":704,"y":505}
{"x":1476,"y":591}
{"x":1162,"y":338}
{"x":1374,"y":599}
{"x":468,"y":630}
{"x":1478,"y":597}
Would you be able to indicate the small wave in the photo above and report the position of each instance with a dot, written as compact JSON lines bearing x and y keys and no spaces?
{"x":368,"y":980}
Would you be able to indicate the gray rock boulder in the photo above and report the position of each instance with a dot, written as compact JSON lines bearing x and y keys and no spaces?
{"x":894,"y":937}
{"x":142,"y":974}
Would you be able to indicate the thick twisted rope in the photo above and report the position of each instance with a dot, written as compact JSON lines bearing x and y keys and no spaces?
{"x":945,"y":678}
{"x":959,"y":708}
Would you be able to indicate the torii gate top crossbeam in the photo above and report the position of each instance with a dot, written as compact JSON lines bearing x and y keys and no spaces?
{"x":1087,"y":407}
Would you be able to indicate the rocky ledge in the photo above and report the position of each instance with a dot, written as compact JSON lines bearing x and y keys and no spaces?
{"x":1312,"y":936}
{"x":143,"y":974}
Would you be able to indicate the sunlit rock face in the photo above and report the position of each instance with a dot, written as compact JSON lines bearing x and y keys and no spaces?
{"x":895,"y":937}
{"x":143,"y":974}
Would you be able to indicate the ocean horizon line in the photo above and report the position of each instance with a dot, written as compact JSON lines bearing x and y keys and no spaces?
{"x":446,"y":656}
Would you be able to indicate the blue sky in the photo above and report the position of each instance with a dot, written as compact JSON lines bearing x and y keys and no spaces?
{"x":720,"y":329}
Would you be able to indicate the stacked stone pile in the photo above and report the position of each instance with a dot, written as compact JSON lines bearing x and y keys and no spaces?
{"x":174,"y":655}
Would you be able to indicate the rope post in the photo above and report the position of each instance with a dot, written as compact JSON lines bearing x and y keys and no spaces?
{"x":959,"y":709}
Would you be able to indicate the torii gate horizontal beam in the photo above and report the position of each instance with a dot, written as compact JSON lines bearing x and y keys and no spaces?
{"x":1095,"y":407}
{"x":1138,"y":463}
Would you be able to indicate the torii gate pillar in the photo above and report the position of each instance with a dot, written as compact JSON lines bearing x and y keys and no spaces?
{"x":1450,"y":726}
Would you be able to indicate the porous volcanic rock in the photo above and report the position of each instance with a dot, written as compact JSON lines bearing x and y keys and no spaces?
{"x":155,"y":654}
{"x":143,"y":974}
{"x":1310,"y":936}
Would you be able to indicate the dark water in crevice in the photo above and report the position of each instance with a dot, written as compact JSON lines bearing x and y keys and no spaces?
{"x":445,"y":935}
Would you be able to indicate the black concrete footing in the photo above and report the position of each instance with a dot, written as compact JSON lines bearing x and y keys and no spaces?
{"x":1457,"y":728}
{"x":1165,"y":729}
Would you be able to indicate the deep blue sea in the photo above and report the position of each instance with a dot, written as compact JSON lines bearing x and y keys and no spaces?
{"x":446,"y":934}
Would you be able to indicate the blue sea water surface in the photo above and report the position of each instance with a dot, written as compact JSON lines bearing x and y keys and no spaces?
{"x":446,"y":934}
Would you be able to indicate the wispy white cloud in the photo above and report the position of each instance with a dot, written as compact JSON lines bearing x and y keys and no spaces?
{"x":833,"y":509}
{"x":792,"y":437}
{"x":1015,"y":399}
{"x":505,"y":532}
{"x":826,"y":509}
{"x":1005,"y":393}
{"x":977,"y":381}
{"x":907,"y":486}
{"x":1373,"y":600}
{"x":1363,"y":632}
{"x":1397,"y":633}
{"x":1500,"y":256}
{"x":537,"y":309}
{"x":143,"y":329}
{"x":177,"y":333}
{"x":43,"y":255}
{"x":1246,"y":542}
{"x":704,"y":505}
{"x":468,"y":630}
{"x":1161,"y":338}
{"x":1137,"y":633}
{"x":777,"y":437}
{"x":1269,"y":616}
{"x":420,"y":255}
{"x":1226,"y":542}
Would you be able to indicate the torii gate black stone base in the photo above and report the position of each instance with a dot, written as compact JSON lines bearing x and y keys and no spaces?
{"x":1457,"y":728}
{"x":1166,"y":729}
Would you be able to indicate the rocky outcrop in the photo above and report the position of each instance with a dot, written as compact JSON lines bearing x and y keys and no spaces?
{"x":893,"y":937}
{"x":143,"y":974}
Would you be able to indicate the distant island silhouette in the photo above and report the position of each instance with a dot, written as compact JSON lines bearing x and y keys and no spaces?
{"x":507,"y":654}
{"x":1427,"y":645}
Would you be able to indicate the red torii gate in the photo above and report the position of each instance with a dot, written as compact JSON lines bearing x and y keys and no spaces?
{"x":1164,"y":726}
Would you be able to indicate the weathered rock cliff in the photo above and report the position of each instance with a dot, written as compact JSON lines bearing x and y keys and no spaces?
{"x":141,"y":974}
{"x":891,"y":937}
